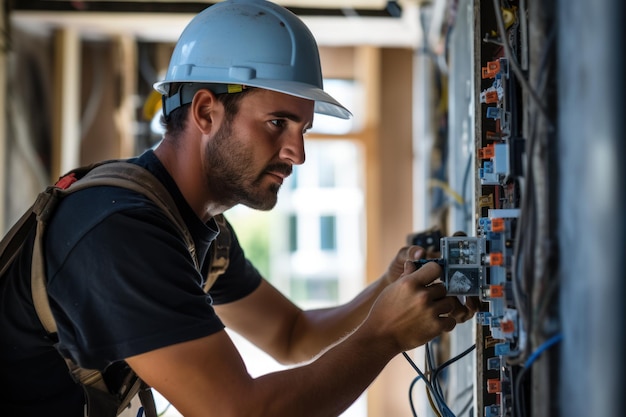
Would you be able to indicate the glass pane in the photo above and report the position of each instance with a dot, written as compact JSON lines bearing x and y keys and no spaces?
{"x":328,"y":230}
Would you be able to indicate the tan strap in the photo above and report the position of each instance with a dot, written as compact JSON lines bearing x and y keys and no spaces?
{"x":220,"y":250}
{"x":118,"y":174}
{"x":112,"y":173}
{"x":38,"y":283}
{"x":109,"y":173}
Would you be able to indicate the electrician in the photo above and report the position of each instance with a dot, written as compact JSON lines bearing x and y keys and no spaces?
{"x":242,"y":86}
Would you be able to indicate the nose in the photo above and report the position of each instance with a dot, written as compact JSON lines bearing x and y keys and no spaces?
{"x":292,"y":148}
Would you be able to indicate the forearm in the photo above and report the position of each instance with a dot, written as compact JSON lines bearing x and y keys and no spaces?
{"x":315,"y":330}
{"x":328,"y":385}
{"x":207,"y":377}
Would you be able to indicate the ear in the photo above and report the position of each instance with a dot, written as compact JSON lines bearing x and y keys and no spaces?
{"x":205,"y":111}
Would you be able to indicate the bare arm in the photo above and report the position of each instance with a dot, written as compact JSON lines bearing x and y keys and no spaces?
{"x":291,"y":335}
{"x":206,"y":377}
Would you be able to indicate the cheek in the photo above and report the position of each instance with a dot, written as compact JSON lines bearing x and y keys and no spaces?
{"x":261,"y":147}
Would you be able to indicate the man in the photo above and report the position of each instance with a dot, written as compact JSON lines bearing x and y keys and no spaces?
{"x":241,"y":90}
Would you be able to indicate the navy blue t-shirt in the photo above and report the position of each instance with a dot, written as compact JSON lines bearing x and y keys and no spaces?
{"x":120,"y":282}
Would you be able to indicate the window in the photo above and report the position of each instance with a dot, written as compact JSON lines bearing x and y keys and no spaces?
{"x":328,"y":240}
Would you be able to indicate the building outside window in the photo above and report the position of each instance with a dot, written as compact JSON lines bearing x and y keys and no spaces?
{"x":313,"y":239}
{"x":311,"y":246}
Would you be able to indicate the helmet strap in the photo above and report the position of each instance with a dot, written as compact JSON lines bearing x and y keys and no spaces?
{"x":185,"y":94}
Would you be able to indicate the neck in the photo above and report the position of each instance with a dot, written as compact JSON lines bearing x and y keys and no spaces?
{"x":185,"y":167}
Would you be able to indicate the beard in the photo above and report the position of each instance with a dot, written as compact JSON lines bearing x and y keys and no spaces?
{"x":230,"y":174}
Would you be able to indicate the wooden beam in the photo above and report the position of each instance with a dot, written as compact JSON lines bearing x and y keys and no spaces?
{"x":367,"y":67}
{"x":66,"y":102}
{"x":388,"y":135}
{"x":124,"y":114}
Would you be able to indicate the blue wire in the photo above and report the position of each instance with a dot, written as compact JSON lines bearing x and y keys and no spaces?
{"x":545,"y":345}
{"x":443,"y":407}
{"x":415,"y":380}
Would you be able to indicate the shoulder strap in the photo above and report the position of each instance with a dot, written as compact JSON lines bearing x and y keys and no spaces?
{"x":112,"y":173}
{"x":220,"y":249}
{"x":118,"y":173}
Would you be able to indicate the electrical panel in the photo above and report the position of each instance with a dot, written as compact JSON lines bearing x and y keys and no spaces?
{"x":500,"y":150}
{"x":503,"y":124}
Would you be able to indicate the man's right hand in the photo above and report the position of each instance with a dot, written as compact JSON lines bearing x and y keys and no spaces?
{"x":414,"y":309}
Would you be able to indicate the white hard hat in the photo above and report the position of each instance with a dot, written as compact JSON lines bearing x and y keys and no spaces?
{"x":252,"y":43}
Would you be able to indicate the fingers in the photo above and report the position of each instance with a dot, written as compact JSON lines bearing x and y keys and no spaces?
{"x":461,"y":313}
{"x":447,"y":323}
{"x":426,"y":275}
{"x":473,"y":304}
{"x":432,"y":254}
{"x":396,"y":267}
{"x":411,"y":253}
{"x":445,"y":306}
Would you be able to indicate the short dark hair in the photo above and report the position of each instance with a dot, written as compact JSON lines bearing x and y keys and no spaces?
{"x":174,"y":123}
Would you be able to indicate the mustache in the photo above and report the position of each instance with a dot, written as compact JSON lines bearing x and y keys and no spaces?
{"x":284,"y":169}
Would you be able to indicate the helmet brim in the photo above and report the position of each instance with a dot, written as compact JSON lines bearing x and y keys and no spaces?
{"x":324,"y":102}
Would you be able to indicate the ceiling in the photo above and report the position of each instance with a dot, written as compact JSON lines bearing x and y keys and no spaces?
{"x":333,"y":22}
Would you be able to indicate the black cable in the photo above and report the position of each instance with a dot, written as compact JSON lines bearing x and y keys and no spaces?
{"x":515,"y":66}
{"x":454,"y":359}
{"x":438,"y":369}
{"x":430,"y":361}
{"x":443,"y":408}
{"x":527,"y":365}
{"x":466,"y":176}
{"x":419,"y":371}
{"x":432,"y":384}
{"x":415,"y":381}
{"x":523,"y":278}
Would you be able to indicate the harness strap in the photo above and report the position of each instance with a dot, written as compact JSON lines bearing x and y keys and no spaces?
{"x":120,"y":174}
{"x":220,"y":249}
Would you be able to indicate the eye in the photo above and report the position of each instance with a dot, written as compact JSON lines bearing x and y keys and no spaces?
{"x":279,"y":123}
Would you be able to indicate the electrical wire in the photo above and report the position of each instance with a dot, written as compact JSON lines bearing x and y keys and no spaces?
{"x":411,"y":387}
{"x":437,"y":370}
{"x":430,"y":367}
{"x":167,"y":407}
{"x":523,"y":268}
{"x":544,"y":346}
{"x":548,"y":283}
{"x":434,"y":182}
{"x":524,"y":370}
{"x":429,"y":397}
{"x":454,"y":359}
{"x":439,"y":406}
{"x":434,"y":391}
{"x":466,"y":176}
{"x":419,"y":372}
{"x":519,"y":74}
{"x":522,"y":254}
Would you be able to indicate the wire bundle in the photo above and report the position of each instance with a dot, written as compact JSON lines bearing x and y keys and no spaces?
{"x":431,"y":378}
